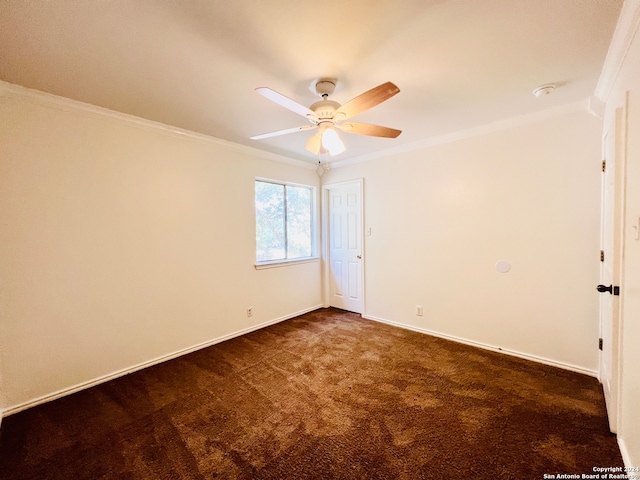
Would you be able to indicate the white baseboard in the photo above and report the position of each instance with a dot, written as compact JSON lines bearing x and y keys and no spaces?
{"x":526,"y":356}
{"x":105,"y":378}
{"x":624,"y":451}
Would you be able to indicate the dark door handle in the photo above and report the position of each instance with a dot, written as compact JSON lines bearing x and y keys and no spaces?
{"x":611,"y":289}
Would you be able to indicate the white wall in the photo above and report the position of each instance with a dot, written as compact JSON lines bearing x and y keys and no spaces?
{"x":441,"y":217}
{"x":122,"y":242}
{"x":626,"y":81}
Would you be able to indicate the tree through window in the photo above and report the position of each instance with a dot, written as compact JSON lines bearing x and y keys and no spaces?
{"x":284,"y":221}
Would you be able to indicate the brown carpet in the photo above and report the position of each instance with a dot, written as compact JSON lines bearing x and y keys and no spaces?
{"x":326,"y":395}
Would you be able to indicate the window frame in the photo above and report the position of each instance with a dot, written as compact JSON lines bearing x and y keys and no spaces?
{"x":259,"y":265}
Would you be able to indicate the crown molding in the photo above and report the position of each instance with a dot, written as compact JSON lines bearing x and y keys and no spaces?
{"x":541,"y":115}
{"x":595,"y":107}
{"x":10,"y":90}
{"x":66,"y":104}
{"x":623,"y":35}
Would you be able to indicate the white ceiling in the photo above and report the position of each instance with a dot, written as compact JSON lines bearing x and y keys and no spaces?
{"x":195,"y":64}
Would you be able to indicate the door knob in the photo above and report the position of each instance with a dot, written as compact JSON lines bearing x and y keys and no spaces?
{"x":359,"y":256}
{"x":614,"y":290}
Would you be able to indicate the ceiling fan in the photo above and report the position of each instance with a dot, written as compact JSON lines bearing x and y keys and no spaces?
{"x":327,"y":116}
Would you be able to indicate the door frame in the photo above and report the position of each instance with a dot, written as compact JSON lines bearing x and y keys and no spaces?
{"x":326,"y":286}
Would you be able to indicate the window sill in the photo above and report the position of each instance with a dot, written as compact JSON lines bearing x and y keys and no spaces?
{"x":284,"y":263}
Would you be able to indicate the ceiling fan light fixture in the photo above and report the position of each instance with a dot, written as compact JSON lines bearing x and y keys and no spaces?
{"x":331,"y":141}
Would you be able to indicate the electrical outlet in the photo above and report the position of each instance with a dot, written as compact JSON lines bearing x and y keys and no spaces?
{"x":419,"y":310}
{"x":249,"y":311}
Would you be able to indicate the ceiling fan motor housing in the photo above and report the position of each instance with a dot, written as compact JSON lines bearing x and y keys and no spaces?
{"x":325,"y":109}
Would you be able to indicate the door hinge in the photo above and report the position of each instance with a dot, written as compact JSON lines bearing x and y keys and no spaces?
{"x":604,"y":165}
{"x":599,"y":344}
{"x":602,"y":255}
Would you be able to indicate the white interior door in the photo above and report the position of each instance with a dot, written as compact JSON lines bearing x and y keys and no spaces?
{"x":611,"y":266}
{"x":344,"y":256}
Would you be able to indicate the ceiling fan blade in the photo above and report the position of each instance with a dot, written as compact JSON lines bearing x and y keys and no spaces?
{"x":369,"y":129}
{"x":285,"y":102}
{"x":282,"y":132}
{"x":314,"y":144}
{"x":367,"y":100}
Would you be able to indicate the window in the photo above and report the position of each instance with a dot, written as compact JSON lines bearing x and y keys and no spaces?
{"x":284,"y":221}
